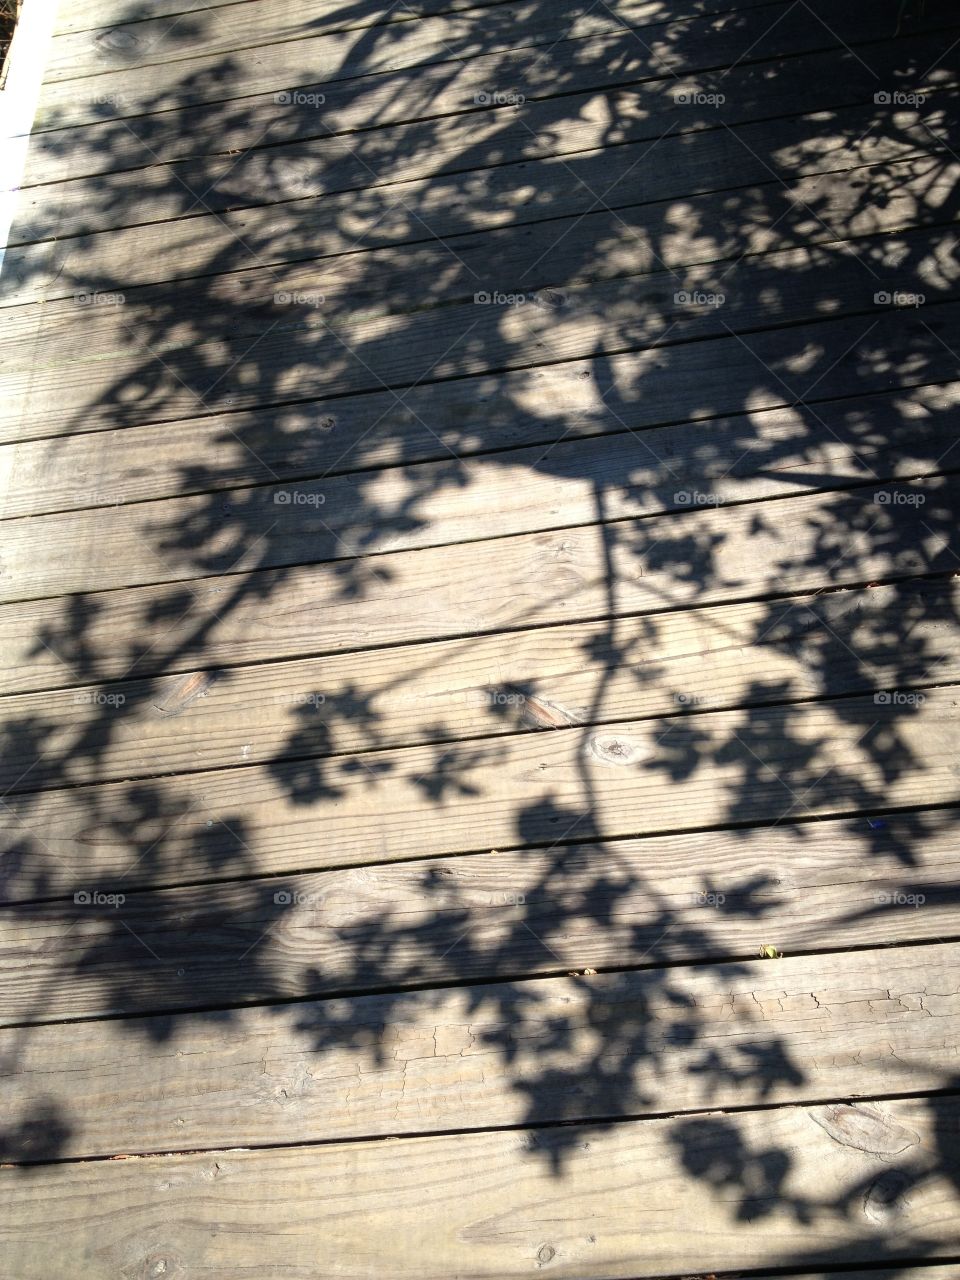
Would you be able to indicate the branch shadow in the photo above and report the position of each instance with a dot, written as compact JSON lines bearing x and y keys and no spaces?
{"x":678,"y":332}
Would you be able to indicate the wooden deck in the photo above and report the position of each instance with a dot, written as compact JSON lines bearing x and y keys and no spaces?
{"x":479,"y":618}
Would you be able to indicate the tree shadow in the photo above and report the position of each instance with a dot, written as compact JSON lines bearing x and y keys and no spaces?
{"x":632,"y":375}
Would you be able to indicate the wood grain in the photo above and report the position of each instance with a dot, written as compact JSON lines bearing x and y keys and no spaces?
{"x":343,"y":348}
{"x":584,"y":250}
{"x":834,"y":77}
{"x":803,"y":1029}
{"x":84,"y":46}
{"x":593,"y":1202}
{"x":323,"y":163}
{"x":127,"y":465}
{"x":628,"y":476}
{"x":642,"y":902}
{"x":685,"y":558}
{"x":706,"y":659}
{"x":341,"y":55}
{"x":88,"y":15}
{"x":753,"y":765}
{"x":427,"y":844}
{"x":213,"y":30}
{"x":458,"y":205}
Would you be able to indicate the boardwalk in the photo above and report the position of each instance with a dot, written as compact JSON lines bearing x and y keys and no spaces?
{"x":479,"y":628}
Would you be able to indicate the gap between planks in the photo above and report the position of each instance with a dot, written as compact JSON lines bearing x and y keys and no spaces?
{"x":427,"y":92}
{"x":581,"y":674}
{"x":685,"y":558}
{"x":465,"y":150}
{"x":803,"y":1029}
{"x":528,"y":194}
{"x":362,"y":352}
{"x":481,"y":917}
{"x":145,"y":464}
{"x":121,"y":46}
{"x":327,"y":58}
{"x":752,"y":765}
{"x":592,"y":1201}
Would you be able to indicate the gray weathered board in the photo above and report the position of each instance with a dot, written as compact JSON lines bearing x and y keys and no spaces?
{"x":863,"y":1182}
{"x":800,"y":1029}
{"x":539,"y":856}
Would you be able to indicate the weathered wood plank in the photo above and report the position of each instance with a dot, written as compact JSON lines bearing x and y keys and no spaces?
{"x":333,"y":438}
{"x":122,"y":41}
{"x":88,"y":15}
{"x":867,"y":1182}
{"x":320,"y":163}
{"x":565,"y":130}
{"x":126,"y":465}
{"x":411,"y":339}
{"x":611,"y":321}
{"x":797,"y":1189}
{"x":681,"y":559}
{"x":84,"y":15}
{"x":626,"y":476}
{"x":214,"y":30}
{"x":756,"y":764}
{"x":528,"y":680}
{"x":804,"y":1029}
{"x":617,"y":318}
{"x":460,"y":204}
{"x":344,"y":55}
{"x":827,"y":78}
{"x":478,"y":917}
{"x":585,"y":249}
